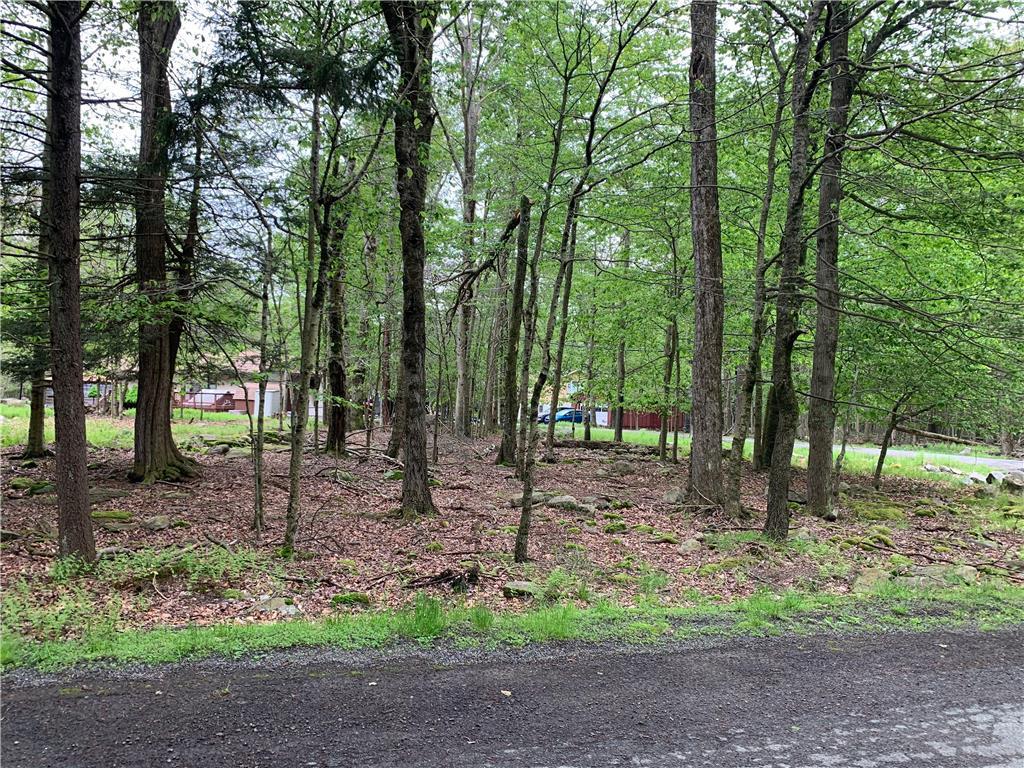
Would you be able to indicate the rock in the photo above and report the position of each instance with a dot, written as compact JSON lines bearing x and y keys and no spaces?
{"x":394,"y":474}
{"x":283,"y":606}
{"x":690,"y":546}
{"x":994,"y":478}
{"x":675,"y":496}
{"x":986,"y":491}
{"x":101,"y":495}
{"x":965,"y":452}
{"x":513,"y":589}
{"x":620,"y":468}
{"x":218,"y":450}
{"x":976,"y":479}
{"x":157,"y":523}
{"x":343,"y":476}
{"x":29,"y":464}
{"x":802,"y":534}
{"x":869,"y":579}
{"x":1013,"y":483}
{"x":32,"y":487}
{"x":795,"y":497}
{"x":22,"y":483}
{"x":116,"y":526}
{"x":111,"y":514}
{"x":563,"y":502}
{"x":937,"y":574}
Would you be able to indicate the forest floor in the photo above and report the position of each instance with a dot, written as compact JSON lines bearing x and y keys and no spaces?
{"x":619,"y":556}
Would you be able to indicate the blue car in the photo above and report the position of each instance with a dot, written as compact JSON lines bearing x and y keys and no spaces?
{"x":563,"y":414}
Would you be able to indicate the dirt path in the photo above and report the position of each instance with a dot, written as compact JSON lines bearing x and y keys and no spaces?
{"x":936,"y":699}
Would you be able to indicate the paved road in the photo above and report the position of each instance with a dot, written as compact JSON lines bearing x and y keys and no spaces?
{"x":952,"y":700}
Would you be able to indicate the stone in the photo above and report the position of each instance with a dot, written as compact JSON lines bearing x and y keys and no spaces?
{"x":22,"y":483}
{"x":994,"y":478}
{"x":394,"y":474}
{"x":101,"y":495}
{"x":513,"y":589}
{"x":157,"y":523}
{"x":986,"y":491}
{"x":620,"y":468}
{"x":795,"y":497}
{"x":976,"y":479}
{"x":1013,"y":483}
{"x":689,"y":546}
{"x":218,"y":450}
{"x":869,"y":579}
{"x":802,"y":534}
{"x":937,"y":574}
{"x":116,"y":526}
{"x":283,"y":606}
{"x":111,"y":514}
{"x":931,"y":468}
{"x":675,"y":496}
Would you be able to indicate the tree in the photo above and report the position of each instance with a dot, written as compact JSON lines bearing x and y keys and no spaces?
{"x":74,"y":526}
{"x":410,"y":24}
{"x":156,"y":455}
{"x":706,"y":450}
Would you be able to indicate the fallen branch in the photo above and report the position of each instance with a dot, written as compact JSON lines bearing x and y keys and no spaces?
{"x":937,"y":436}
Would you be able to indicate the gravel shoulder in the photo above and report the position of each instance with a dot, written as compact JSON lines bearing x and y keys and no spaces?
{"x":938,"y":698}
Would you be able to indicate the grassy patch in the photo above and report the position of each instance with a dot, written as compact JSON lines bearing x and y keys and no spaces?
{"x":427,"y":620}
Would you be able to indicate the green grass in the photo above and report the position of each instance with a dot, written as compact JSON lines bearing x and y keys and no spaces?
{"x":104,"y":432}
{"x":80,"y":631}
{"x":855,"y":463}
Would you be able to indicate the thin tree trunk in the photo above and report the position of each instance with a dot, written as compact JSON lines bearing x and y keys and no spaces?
{"x":556,"y":379}
{"x":788,"y":301}
{"x":666,"y":389}
{"x":308,"y":332}
{"x":706,"y":481}
{"x":509,"y":391}
{"x":821,"y":413}
{"x":74,"y":526}
{"x":620,"y":390}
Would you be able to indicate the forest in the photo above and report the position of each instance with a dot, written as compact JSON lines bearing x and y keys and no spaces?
{"x":437,"y":312}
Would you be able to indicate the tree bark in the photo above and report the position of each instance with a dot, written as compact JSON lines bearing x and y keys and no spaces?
{"x":821,"y":415}
{"x":556,"y":379}
{"x":751,"y":371}
{"x":666,"y":388}
{"x":706,"y":448}
{"x":74,"y":526}
{"x":788,"y":299}
{"x":620,"y":390}
{"x":156,"y":455}
{"x":509,"y":390}
{"x":35,"y":447}
{"x":411,"y":28}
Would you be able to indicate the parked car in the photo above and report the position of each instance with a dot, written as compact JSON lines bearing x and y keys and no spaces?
{"x":563,"y":414}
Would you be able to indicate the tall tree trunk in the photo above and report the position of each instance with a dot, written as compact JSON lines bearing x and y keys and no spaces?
{"x":706,"y":447}
{"x":509,"y":391}
{"x":309,"y":327}
{"x":752,"y":369}
{"x":156,"y":455}
{"x":757,"y":420}
{"x":74,"y":526}
{"x":788,"y":300}
{"x":821,"y":415}
{"x":411,"y":27}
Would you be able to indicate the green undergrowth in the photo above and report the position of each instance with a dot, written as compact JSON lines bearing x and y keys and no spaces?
{"x":428,"y":621}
